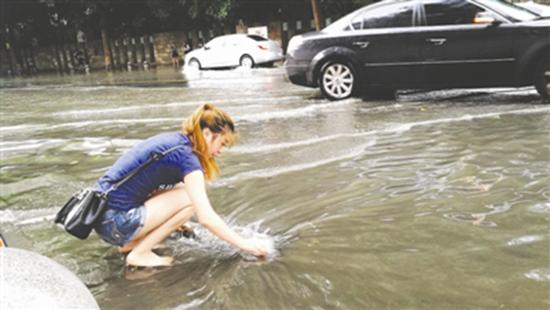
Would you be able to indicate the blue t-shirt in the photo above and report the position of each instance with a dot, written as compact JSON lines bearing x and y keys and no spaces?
{"x":162,"y":174}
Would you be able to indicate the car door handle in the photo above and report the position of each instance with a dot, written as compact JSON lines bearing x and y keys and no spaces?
{"x":362,"y":44}
{"x":436,"y":41}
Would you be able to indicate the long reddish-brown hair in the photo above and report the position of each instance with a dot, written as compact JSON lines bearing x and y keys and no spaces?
{"x":218,"y":121}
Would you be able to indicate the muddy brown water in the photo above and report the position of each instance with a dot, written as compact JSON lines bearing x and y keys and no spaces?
{"x":437,"y":200}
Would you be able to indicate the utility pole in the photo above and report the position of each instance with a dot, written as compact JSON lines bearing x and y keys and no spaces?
{"x":316,"y":15}
{"x":107,"y":53}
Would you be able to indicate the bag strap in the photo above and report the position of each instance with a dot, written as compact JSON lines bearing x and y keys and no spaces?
{"x":155,"y":156}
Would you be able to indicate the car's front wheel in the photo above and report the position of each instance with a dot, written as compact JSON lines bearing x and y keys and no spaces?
{"x":246,"y":62}
{"x":337,"y":80}
{"x":542,"y":78}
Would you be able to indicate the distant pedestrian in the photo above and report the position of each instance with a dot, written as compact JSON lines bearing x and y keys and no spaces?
{"x":175,"y":56}
{"x":186,"y":47}
{"x":79,"y":58}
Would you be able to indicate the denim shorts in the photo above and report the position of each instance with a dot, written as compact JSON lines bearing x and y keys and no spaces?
{"x":119,"y":227}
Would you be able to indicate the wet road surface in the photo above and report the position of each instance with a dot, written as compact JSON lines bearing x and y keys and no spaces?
{"x":433,"y":200}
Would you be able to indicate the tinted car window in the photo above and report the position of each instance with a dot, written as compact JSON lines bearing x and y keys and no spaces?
{"x":510,"y":10}
{"x":257,"y":38}
{"x":341,"y":24}
{"x":391,"y":15}
{"x":453,"y":12}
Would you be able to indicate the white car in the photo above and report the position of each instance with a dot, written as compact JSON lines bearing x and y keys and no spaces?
{"x":234,"y":50}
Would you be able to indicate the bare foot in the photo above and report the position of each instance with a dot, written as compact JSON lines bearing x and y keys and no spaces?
{"x":148,"y":259}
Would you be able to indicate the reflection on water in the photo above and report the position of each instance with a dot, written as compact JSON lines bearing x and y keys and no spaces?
{"x":436,"y":200}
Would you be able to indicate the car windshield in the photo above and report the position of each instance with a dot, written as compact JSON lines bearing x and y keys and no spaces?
{"x":509,"y":10}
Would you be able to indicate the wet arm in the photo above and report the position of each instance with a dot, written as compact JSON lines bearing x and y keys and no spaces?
{"x":196,"y":189}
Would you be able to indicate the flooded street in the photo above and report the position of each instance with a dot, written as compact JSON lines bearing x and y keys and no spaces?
{"x":437,"y":200}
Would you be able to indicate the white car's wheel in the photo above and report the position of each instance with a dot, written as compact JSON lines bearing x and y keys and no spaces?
{"x":246,"y":61}
{"x":337,"y":81}
{"x":195,"y":64}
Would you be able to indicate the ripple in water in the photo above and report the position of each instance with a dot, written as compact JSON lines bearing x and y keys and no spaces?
{"x":542,"y":275}
{"x":479,"y":219}
{"x":525,"y":240}
{"x":540,"y":208}
{"x":207,"y":242}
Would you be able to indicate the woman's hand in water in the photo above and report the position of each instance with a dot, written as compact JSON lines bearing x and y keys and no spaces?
{"x":252,"y":247}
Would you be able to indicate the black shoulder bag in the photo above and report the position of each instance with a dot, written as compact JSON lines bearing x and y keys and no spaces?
{"x":79,"y":215}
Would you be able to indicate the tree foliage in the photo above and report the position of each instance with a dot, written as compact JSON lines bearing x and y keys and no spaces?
{"x":57,"y":21}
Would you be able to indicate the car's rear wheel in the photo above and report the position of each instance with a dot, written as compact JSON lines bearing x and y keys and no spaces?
{"x":542,"y":78}
{"x":246,"y":61}
{"x":337,"y":80}
{"x":195,"y":64}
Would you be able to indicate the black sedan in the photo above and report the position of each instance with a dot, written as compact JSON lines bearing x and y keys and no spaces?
{"x":424,"y":44}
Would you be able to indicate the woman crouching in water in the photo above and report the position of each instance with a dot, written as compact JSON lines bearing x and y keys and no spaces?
{"x":161,"y":198}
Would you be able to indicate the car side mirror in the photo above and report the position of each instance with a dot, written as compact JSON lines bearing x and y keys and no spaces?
{"x":206,"y":47}
{"x":486,"y":18}
{"x":496,"y":22}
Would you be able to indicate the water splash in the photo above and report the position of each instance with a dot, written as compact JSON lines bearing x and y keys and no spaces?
{"x":207,"y":242}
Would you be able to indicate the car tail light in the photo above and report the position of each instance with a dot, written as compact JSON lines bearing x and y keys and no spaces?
{"x":263,"y":48}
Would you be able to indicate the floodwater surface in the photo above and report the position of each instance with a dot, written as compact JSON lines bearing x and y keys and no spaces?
{"x":435,"y":200}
